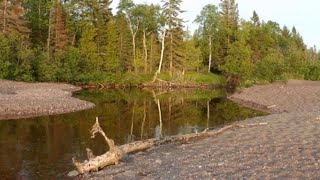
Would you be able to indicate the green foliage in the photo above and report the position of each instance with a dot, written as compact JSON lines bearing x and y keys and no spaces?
{"x":270,"y":68}
{"x":88,"y":44}
{"x":195,"y":78}
{"x":4,"y":57}
{"x":133,"y":79}
{"x":237,"y":65}
{"x":313,"y":72}
{"x":23,"y":68}
{"x":68,"y":69}
{"x":46,"y":69}
{"x":91,"y":61}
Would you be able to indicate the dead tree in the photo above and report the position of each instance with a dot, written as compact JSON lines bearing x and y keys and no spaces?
{"x":115,"y":153}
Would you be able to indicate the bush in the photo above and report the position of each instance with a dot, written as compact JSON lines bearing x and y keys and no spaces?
{"x":4,"y":57}
{"x":46,"y":69}
{"x":270,"y":68}
{"x":313,"y":72}
{"x":69,"y":64}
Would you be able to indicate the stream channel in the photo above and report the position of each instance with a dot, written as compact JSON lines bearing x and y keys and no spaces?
{"x":42,"y":147}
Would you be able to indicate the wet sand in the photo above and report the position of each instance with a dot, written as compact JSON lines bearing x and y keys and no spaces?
{"x":286,"y":148}
{"x":23,"y":100}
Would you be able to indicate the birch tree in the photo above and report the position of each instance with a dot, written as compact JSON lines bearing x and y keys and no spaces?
{"x":208,"y":21}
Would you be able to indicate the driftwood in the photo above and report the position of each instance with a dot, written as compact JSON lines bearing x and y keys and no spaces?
{"x":115,"y":153}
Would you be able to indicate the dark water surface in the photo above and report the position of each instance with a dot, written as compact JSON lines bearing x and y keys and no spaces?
{"x":42,"y":147}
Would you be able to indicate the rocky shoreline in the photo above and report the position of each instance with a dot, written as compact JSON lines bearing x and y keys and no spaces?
{"x":24,"y":100}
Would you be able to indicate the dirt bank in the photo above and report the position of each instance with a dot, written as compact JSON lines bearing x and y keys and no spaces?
{"x":22,"y":100}
{"x":286,"y":148}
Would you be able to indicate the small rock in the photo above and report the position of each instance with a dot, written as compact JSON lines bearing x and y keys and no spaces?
{"x":272,"y":106}
{"x":73,"y":173}
{"x":220,"y":164}
{"x":158,"y":161}
{"x":129,"y":173}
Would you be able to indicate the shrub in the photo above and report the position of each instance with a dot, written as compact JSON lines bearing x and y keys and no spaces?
{"x":270,"y":68}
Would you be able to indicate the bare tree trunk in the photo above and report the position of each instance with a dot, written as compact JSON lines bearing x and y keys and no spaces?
{"x":134,"y":52}
{"x":151,"y":53}
{"x":73,"y":42}
{"x":116,"y":153}
{"x":162,"y":54}
{"x":145,"y":50}
{"x":162,"y":49}
{"x":49,"y":34}
{"x":39,"y":18}
{"x":133,"y":34}
{"x":5,"y":16}
{"x":210,"y":53}
{"x":171,"y":53}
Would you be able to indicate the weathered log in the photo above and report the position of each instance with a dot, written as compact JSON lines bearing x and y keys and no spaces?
{"x":115,"y":153}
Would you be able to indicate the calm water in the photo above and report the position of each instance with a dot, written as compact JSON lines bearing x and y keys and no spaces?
{"x":42,"y":148}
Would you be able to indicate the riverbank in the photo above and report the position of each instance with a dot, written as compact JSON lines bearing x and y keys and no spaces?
{"x":286,"y":148}
{"x":23,"y":100}
{"x":164,"y":80}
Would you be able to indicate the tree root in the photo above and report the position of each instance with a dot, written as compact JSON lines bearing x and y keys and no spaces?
{"x":115,"y":153}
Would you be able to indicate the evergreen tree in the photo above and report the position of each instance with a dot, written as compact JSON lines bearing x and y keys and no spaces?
{"x":171,"y":11}
{"x":255,"y":19}
{"x":37,"y":21}
{"x":237,"y":66}
{"x":230,"y":18}
{"x":12,"y":19}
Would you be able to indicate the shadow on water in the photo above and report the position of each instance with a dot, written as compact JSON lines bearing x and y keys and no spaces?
{"x":42,"y":147}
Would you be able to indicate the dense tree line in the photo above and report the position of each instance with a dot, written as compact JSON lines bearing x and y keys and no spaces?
{"x":83,"y":41}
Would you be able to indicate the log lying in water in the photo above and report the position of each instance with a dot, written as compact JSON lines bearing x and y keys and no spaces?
{"x":115,"y":153}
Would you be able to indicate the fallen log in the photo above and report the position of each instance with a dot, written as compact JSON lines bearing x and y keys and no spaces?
{"x":115,"y":153}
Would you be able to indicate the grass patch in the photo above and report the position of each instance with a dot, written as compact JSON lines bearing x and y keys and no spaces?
{"x":195,"y":78}
{"x":132,"y":79}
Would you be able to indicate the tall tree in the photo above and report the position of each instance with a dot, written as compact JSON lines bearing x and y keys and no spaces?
{"x":255,"y":19}
{"x":209,"y":22}
{"x":229,"y":27}
{"x":133,"y":16}
{"x":12,"y":19}
{"x":149,"y":24}
{"x":57,"y":37}
{"x":37,"y":21}
{"x":171,"y":11}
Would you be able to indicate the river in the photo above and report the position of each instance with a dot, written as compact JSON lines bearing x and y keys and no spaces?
{"x":42,"y":147}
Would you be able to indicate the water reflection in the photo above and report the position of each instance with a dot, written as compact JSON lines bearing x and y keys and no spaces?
{"x":42,"y":148}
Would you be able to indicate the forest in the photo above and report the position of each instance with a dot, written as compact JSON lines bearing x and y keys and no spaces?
{"x":83,"y":41}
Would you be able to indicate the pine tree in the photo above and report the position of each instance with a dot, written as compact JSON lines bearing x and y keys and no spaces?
{"x":37,"y":21}
{"x":237,"y":66}
{"x":230,"y":18}
{"x":12,"y":19}
{"x":255,"y":19}
{"x":171,"y":11}
{"x":255,"y":38}
{"x":57,"y":37}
